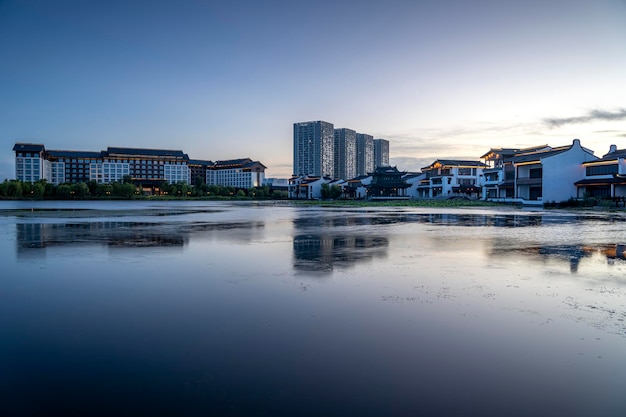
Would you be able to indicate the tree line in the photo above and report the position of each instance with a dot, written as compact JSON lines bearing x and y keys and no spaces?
{"x":42,"y":189}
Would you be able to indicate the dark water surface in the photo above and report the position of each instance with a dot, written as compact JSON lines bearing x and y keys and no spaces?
{"x":202,"y":309}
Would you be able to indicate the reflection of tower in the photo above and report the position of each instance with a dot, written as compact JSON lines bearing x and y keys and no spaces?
{"x":322,"y":242}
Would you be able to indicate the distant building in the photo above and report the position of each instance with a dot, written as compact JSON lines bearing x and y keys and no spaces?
{"x":541,"y":173}
{"x":388,"y":184}
{"x":550,"y":174}
{"x":306,"y":187}
{"x":143,"y":166}
{"x":364,"y":154}
{"x":345,"y":153}
{"x":381,"y":153}
{"x":446,"y":177}
{"x":30,"y":162}
{"x":313,"y":148}
{"x":238,"y":173}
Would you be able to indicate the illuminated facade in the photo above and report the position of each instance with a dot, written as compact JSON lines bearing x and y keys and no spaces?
{"x":142,"y":166}
{"x":381,"y":153}
{"x":314,"y":149}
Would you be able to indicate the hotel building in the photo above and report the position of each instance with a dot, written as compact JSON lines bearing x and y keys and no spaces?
{"x":143,"y":166}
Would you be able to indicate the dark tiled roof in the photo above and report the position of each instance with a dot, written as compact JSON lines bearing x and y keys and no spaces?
{"x":539,"y":155}
{"x":457,"y":162}
{"x":145,"y":152}
{"x":613,"y":156}
{"x":200,"y":162}
{"x":461,"y":162}
{"x":74,"y":154}
{"x":232,"y":162}
{"x":501,"y":151}
{"x":28,"y":147}
{"x":253,"y":163}
{"x":601,"y":181}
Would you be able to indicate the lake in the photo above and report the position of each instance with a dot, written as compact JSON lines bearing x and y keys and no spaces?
{"x":261,"y":309}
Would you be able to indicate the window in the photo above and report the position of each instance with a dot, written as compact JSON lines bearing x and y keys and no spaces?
{"x":536,"y":173}
{"x":601,"y":169}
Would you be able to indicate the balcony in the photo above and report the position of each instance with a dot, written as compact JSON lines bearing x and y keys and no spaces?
{"x":529,"y":181}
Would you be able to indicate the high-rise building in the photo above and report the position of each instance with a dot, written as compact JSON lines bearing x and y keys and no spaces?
{"x":345,"y":153}
{"x":364,"y":154}
{"x":381,"y":153}
{"x":313,"y":148}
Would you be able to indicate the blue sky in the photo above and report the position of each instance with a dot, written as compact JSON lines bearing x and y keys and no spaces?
{"x":223,"y":80}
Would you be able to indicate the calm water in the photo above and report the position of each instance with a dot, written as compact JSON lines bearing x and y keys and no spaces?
{"x":201,"y":309}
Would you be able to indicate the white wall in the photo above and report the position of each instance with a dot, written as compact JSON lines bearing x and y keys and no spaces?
{"x":562,"y":170}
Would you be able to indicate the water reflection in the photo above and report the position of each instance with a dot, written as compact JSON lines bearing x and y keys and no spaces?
{"x":321,"y":253}
{"x":33,"y":238}
{"x":335,"y":242}
{"x":573,"y":254}
{"x":478,"y":220}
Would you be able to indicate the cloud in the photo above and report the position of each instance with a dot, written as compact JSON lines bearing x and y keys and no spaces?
{"x":408,"y":163}
{"x":592,"y":116}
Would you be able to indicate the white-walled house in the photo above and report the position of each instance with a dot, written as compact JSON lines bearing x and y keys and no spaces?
{"x":604,"y":177}
{"x":414,"y":179}
{"x":447,"y":177}
{"x":356,"y":188}
{"x":306,"y":188}
{"x":549,"y":175}
{"x":498,"y":181}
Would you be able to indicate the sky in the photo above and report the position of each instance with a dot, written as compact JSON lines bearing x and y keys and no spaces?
{"x":227,"y":79}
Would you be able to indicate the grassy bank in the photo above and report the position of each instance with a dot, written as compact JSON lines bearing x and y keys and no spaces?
{"x":399,"y":203}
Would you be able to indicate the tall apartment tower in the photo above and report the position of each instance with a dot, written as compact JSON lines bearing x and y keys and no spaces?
{"x":313,"y":148}
{"x":345,"y":153}
{"x":381,"y":153}
{"x":364,"y":154}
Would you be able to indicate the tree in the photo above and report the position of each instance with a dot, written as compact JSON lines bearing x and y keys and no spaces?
{"x":335,"y":191}
{"x":80,"y":190}
{"x":39,"y":189}
{"x":14,"y":189}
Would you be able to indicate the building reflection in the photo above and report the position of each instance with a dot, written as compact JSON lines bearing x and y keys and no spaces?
{"x":572,"y":254}
{"x":37,"y":236}
{"x":33,"y":238}
{"x":478,"y":220}
{"x":334,"y":242}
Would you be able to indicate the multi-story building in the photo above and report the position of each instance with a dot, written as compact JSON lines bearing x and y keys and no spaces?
{"x":238,"y":173}
{"x":550,"y":174}
{"x":605,"y":177}
{"x":313,"y":148}
{"x":142,"y":166}
{"x":30,"y":162}
{"x":364,"y":154}
{"x":381,"y":153}
{"x":345,"y":153}
{"x":536,"y":175}
{"x":446,"y":177}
